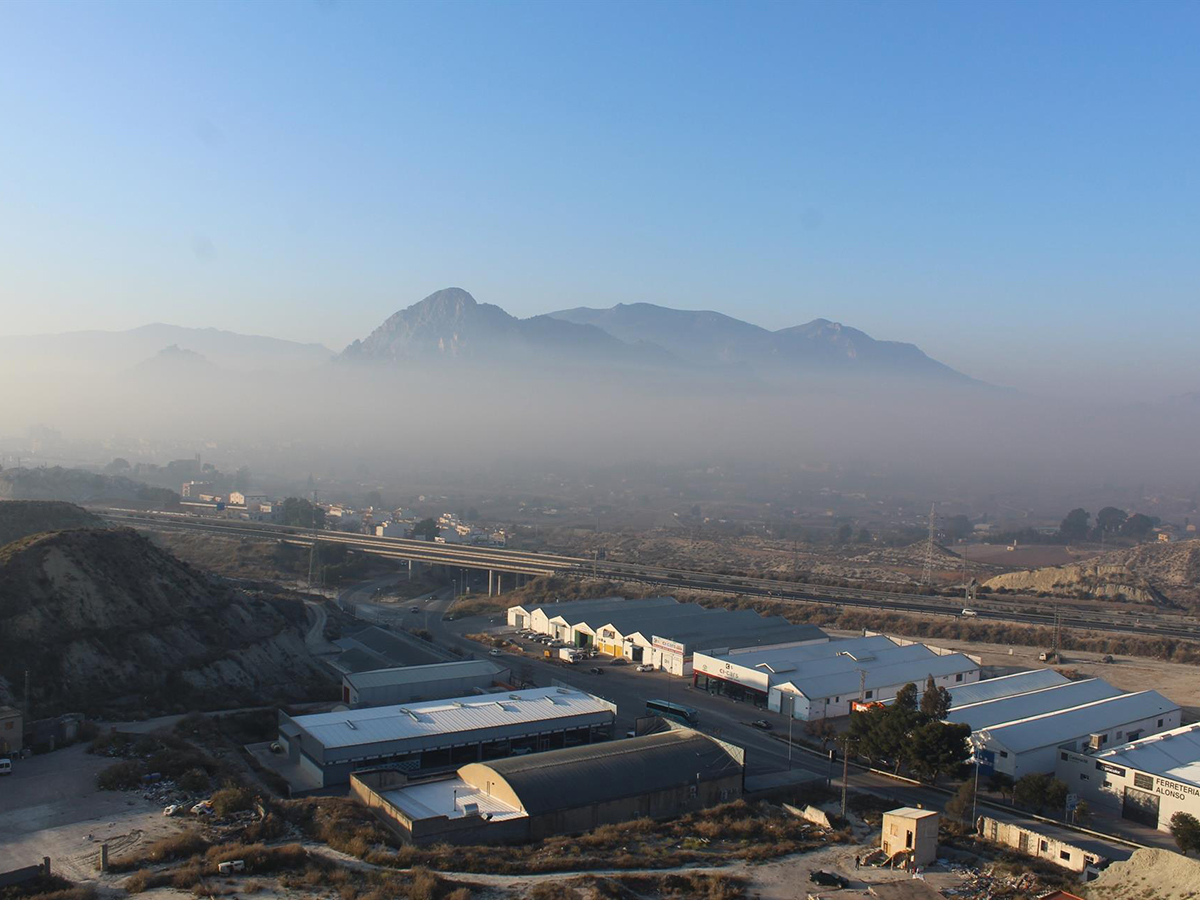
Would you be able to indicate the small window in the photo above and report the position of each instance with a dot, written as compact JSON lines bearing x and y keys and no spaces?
{"x":1083,"y":777}
{"x":870,"y":694}
{"x":1160,"y":721}
{"x":1120,"y":734}
{"x":692,"y":791}
{"x":1063,"y":757}
{"x":1004,"y":754}
{"x":958,"y":677}
{"x":1063,"y":854}
{"x":1107,"y":783}
{"x":1045,"y":845}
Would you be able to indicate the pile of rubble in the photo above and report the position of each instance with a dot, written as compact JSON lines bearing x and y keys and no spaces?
{"x":987,"y":884}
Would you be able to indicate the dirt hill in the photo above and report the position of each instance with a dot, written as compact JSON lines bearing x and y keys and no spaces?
{"x":21,"y":518}
{"x":105,"y":621}
{"x":1148,"y":573}
{"x":77,"y":486}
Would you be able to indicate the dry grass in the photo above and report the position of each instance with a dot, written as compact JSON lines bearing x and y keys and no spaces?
{"x":737,"y":830}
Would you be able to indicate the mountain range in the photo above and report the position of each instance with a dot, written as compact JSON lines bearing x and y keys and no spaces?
{"x":451,"y":324}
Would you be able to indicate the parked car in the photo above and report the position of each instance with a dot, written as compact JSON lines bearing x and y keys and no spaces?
{"x":761,"y":723}
{"x":1106,"y":658}
{"x":495,"y":651}
{"x":644,"y":667}
{"x":596,"y":670}
{"x":174,"y":809}
{"x":620,"y":661}
{"x":828,"y":879}
{"x":5,"y":766}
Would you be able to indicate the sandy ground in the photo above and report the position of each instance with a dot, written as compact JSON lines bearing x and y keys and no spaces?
{"x":1175,"y":681}
{"x":49,"y":806}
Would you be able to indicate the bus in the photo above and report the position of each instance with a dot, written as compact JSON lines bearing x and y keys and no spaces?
{"x":677,"y":712}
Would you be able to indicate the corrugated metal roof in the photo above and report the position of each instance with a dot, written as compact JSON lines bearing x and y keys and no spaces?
{"x":436,"y":717}
{"x":1000,"y":686}
{"x":887,"y":670}
{"x":1051,"y":729}
{"x":1172,"y":754}
{"x":705,"y":634}
{"x":797,"y":655}
{"x":1032,"y":703}
{"x":626,"y":622}
{"x":464,"y":668}
{"x":580,"y":776}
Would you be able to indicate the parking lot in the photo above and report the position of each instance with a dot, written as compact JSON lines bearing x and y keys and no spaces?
{"x":50,"y":806}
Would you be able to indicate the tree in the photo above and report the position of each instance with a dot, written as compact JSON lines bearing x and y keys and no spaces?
{"x":1075,"y":526}
{"x":426,"y":529}
{"x":1001,"y":783}
{"x":821,"y":729}
{"x":960,"y":805}
{"x":241,"y":479}
{"x":300,"y":513}
{"x":1110,"y":519}
{"x":1082,"y":813}
{"x":844,"y":533}
{"x":1039,"y":791}
{"x":1138,"y":525}
{"x":937,"y":747}
{"x":935,"y":702}
{"x":906,"y":697}
{"x":1185,"y":828}
{"x":117,"y":465}
{"x":864,"y":536}
{"x":957,"y":527}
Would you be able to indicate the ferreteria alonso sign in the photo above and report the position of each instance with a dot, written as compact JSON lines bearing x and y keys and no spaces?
{"x":1175,"y":789}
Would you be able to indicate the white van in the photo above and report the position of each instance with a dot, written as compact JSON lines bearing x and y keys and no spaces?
{"x":5,"y":766}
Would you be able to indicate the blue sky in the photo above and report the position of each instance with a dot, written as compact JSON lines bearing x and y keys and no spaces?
{"x":1013,"y":186}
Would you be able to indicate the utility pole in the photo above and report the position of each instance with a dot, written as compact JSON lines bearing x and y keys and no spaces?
{"x":845,"y":774}
{"x":927,"y":573}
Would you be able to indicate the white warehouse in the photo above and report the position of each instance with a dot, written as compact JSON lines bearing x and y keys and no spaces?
{"x":1033,"y":742}
{"x":1146,"y":781}
{"x":817,"y":681}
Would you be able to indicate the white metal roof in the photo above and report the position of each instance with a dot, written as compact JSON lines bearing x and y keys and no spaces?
{"x":1032,"y":703}
{"x":841,"y":677}
{"x":448,"y":797}
{"x":1172,"y":754}
{"x":436,"y":717}
{"x":463,"y":668}
{"x":1054,"y":728}
{"x":803,"y":654}
{"x":1000,"y":686}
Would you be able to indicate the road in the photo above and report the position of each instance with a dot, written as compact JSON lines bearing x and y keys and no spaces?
{"x":1022,"y":610}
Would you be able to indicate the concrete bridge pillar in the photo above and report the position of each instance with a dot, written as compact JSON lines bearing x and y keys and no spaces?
{"x":491,"y":582}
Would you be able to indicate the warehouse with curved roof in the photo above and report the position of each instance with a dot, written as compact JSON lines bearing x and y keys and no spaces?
{"x":559,"y":791}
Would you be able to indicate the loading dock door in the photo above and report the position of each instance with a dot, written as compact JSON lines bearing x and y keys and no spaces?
{"x":1141,"y":807}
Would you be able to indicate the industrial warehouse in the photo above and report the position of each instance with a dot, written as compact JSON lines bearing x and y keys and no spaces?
{"x":441,"y":734}
{"x":659,"y":632}
{"x":1032,"y":742}
{"x":558,"y":792}
{"x":1147,"y":780}
{"x":407,"y":684}
{"x":824,"y":680}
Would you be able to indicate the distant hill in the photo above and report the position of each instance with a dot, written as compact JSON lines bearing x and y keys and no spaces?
{"x":117,"y":351}
{"x":451,"y":325}
{"x":104,"y":620}
{"x":1148,"y":573}
{"x":21,"y":518}
{"x":77,"y":486}
{"x":710,"y":338}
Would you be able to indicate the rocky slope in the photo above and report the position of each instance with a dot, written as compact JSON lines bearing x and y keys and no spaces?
{"x":21,"y":518}
{"x":104,"y":620}
{"x":1147,"y":573}
{"x":77,"y":486}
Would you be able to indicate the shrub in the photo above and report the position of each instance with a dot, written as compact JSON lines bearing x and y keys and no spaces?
{"x":181,"y":845}
{"x":229,"y":800}
{"x":121,"y":776}
{"x":194,"y":781}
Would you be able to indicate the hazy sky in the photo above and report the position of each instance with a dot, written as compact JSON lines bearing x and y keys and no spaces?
{"x":1012,"y":186}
